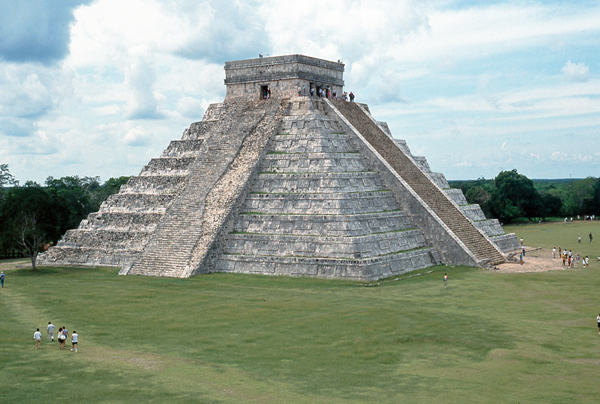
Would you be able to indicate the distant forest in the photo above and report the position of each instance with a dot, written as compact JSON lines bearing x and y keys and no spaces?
{"x":513,"y":197}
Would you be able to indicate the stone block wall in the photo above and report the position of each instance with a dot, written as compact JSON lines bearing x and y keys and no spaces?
{"x":245,"y":79}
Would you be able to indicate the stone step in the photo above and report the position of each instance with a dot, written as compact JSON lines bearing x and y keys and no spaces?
{"x":313,"y":162}
{"x":317,"y":182}
{"x":183,"y":148}
{"x":318,"y":225}
{"x":166,"y":184}
{"x":168,"y":166}
{"x":121,"y":221}
{"x":357,"y":269}
{"x":331,"y":143}
{"x":104,"y":239}
{"x":137,"y":202}
{"x":373,"y":245}
{"x":321,"y":204}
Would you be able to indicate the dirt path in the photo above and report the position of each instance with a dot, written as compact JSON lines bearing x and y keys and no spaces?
{"x":535,"y":260}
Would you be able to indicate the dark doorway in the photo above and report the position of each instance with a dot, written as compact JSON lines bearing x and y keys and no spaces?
{"x":264,"y":92}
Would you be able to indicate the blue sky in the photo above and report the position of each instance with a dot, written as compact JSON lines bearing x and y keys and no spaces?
{"x":98,"y":88}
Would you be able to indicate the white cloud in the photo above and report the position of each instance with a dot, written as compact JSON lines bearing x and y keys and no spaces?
{"x":189,"y":106}
{"x":137,"y":136}
{"x":576,"y":71}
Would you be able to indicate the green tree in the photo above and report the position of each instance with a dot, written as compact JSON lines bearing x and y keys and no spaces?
{"x":578,"y":196}
{"x":481,"y":195}
{"x":79,"y":194}
{"x":6,"y":178}
{"x":514,"y":196}
{"x":33,"y":217}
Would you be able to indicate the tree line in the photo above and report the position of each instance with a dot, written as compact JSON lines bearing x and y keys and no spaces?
{"x":511,"y":196}
{"x":33,"y":217}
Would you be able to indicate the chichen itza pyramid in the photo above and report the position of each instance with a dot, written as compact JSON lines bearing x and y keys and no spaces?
{"x":289,"y":185}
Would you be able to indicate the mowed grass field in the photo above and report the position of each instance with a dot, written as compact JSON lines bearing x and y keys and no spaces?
{"x":223,"y":338}
{"x":559,"y":234}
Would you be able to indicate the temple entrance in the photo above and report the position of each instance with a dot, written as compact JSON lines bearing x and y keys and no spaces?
{"x":264,"y":92}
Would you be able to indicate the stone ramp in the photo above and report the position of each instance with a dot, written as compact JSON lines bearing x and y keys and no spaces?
{"x":228,"y":156}
{"x":477,"y":243}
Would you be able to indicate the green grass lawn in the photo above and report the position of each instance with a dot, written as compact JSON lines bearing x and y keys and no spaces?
{"x":559,"y":234}
{"x":223,"y":338}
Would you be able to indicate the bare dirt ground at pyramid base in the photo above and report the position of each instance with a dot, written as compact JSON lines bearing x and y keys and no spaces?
{"x":536,"y":261}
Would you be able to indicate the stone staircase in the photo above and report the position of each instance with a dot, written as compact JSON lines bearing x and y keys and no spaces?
{"x":182,"y":235}
{"x":315,"y":209}
{"x":476,"y":242}
{"x":119,"y":231}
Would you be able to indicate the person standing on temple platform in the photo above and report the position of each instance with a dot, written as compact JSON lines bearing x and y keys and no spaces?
{"x":351,"y":96}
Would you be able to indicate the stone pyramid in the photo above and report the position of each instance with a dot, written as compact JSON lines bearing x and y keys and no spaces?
{"x":276,"y":181}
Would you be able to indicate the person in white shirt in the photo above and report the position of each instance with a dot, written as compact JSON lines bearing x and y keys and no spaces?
{"x":51,"y":331}
{"x":37,"y":336}
{"x":74,"y":338}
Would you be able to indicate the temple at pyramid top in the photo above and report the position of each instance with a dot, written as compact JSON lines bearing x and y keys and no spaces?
{"x":253,"y":79}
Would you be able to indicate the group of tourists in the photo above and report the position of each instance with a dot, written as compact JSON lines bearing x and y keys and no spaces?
{"x":62,"y":336}
{"x":324,"y":93}
{"x":568,"y":259}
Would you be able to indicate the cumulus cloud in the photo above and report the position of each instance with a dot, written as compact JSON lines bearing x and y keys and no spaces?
{"x":576,"y":71}
{"x":36,"y":30}
{"x":189,"y":106}
{"x":137,"y":136}
{"x":140,"y":77}
{"x":219,"y":30}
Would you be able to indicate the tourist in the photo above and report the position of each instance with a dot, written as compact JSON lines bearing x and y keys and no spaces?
{"x":61,"y":338}
{"x":50,"y":331}
{"x":564,"y":258}
{"x":304,"y":90}
{"x":351,"y":96}
{"x":598,"y":318}
{"x":521,"y":258}
{"x":591,"y":237}
{"x":523,"y":250}
{"x":553,"y":252}
{"x":577,"y":258}
{"x":269,"y":93}
{"x":74,"y":338}
{"x":445,"y":280}
{"x":587,"y":261}
{"x":521,"y":241}
{"x":2,"y":279}
{"x":579,"y":239}
{"x":37,"y":336}
{"x":569,"y":261}
{"x":65,"y":336}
